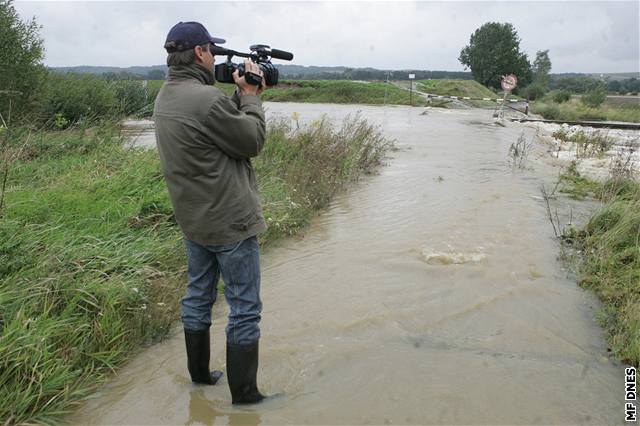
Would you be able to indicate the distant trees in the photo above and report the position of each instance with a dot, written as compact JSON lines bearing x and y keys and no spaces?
{"x":629,"y":85}
{"x":367,"y":74}
{"x":155,"y":75}
{"x":21,"y":52}
{"x":121,"y":75}
{"x":584,"y":84}
{"x":541,"y":68}
{"x":540,"y":85}
{"x":494,"y":51}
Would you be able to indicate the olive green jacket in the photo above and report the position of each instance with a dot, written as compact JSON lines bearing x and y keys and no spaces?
{"x":205,"y":140}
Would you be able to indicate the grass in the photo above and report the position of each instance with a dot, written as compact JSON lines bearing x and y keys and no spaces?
{"x":321,"y":91}
{"x":574,"y":110}
{"x":91,"y":259}
{"x":611,"y":268}
{"x":460,"y":88}
{"x":587,"y":145}
{"x":578,"y":187}
{"x":445,"y":87}
{"x":610,"y":264}
{"x":339,"y":92}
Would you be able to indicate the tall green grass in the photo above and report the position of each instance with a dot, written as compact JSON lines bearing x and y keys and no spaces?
{"x":611,"y":242}
{"x":574,"y":110}
{"x":91,"y":259}
{"x":610,"y":264}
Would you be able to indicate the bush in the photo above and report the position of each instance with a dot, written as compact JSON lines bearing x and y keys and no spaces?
{"x":533,"y":91}
{"x":21,"y":69}
{"x":72,"y":99}
{"x":131,"y":96}
{"x":561,"y":96}
{"x":550,"y":112}
{"x":594,"y":97}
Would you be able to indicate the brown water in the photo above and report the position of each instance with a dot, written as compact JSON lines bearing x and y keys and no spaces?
{"x":411,"y":300}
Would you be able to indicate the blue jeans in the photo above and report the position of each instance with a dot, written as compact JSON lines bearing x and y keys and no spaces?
{"x":239,"y":264}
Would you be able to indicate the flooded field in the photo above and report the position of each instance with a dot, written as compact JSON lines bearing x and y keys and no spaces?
{"x":427,"y":294}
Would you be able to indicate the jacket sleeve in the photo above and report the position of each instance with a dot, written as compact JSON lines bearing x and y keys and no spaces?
{"x":238,"y":131}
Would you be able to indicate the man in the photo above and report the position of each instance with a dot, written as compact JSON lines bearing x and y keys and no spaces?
{"x":205,"y":140}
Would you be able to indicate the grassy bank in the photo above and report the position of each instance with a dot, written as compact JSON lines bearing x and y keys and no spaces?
{"x":469,"y":88}
{"x":460,"y":88}
{"x":610,"y":264}
{"x":339,"y":92}
{"x":91,"y":260}
{"x":575,"y":110}
{"x":324,"y":91}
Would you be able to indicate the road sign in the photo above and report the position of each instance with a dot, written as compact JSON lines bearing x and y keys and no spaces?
{"x":412,"y":76}
{"x":509,"y":82}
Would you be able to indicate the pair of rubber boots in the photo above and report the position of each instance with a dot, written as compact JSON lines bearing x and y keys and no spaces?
{"x":242,"y":366}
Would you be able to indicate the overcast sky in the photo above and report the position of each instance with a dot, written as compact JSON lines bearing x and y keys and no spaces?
{"x":601,"y":36}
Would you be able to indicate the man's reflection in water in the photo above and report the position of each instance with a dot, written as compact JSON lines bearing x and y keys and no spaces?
{"x":204,"y":412}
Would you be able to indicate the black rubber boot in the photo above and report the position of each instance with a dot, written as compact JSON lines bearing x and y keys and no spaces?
{"x":242,"y":371}
{"x":198,"y":353}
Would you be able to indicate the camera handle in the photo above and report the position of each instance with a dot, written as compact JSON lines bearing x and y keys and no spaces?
{"x":253,"y":79}
{"x":249,"y":77}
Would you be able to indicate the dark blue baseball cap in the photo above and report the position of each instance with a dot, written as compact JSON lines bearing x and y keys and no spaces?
{"x":187,"y":35}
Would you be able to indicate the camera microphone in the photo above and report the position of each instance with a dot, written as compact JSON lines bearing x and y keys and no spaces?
{"x":281,"y":54}
{"x":217,"y":50}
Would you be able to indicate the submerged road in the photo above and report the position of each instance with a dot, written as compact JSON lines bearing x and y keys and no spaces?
{"x":428,"y":294}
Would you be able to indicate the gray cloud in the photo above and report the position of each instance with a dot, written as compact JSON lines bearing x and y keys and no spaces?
{"x":581,"y":36}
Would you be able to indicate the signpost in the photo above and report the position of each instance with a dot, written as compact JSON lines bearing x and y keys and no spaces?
{"x":411,"y":78}
{"x":508,"y":83}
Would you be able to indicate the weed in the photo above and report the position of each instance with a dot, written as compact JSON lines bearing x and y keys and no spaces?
{"x":587,"y":145}
{"x":622,"y":165}
{"x":519,"y":152}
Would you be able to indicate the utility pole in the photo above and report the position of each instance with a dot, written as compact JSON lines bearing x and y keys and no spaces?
{"x":386,"y":86}
{"x":411,"y":77}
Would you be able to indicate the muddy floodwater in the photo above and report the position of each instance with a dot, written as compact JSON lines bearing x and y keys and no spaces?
{"x":427,"y":294}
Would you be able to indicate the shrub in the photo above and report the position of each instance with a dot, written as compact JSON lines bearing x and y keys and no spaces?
{"x":561,"y":96}
{"x":533,"y":91}
{"x":131,"y":96}
{"x":587,"y":144}
{"x":72,"y":99}
{"x":594,"y":97}
{"x":21,"y":69}
{"x":550,"y":112}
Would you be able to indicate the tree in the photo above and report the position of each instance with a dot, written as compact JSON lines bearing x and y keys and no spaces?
{"x":494,"y":51}
{"x":541,"y":68}
{"x":595,"y":97}
{"x":21,"y":53}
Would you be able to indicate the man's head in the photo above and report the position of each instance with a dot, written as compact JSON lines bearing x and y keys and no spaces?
{"x":188,"y":43}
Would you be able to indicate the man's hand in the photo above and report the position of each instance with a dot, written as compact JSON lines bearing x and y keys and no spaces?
{"x":244,"y":87}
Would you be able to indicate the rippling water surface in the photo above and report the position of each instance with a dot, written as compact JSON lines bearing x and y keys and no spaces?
{"x":429,"y":293}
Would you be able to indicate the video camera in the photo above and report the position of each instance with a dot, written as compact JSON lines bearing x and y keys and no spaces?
{"x":260,"y":54}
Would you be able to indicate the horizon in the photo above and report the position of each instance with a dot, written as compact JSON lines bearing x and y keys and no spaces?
{"x":637,"y":73}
